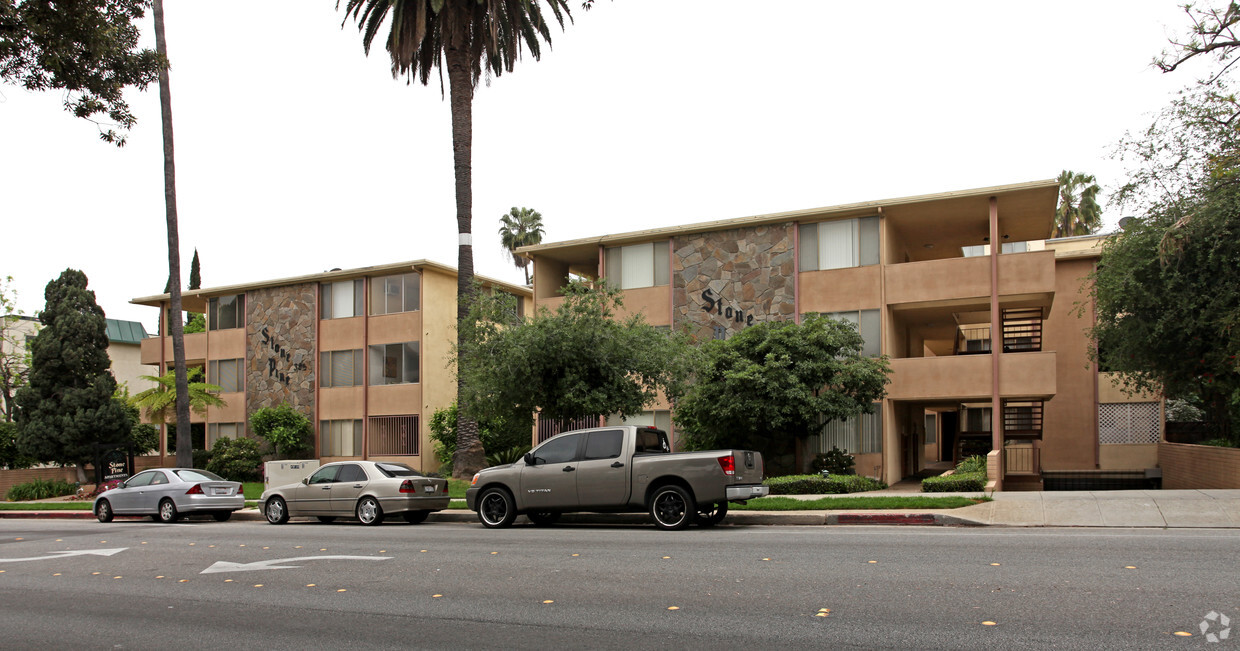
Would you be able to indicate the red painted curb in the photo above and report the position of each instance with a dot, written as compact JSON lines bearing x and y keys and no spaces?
{"x":876,"y":518}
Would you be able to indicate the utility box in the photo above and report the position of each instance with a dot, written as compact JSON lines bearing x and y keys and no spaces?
{"x":279,"y":473}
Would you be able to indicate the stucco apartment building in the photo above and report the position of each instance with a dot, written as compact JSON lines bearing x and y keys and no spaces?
{"x":362,"y":352}
{"x":987,"y":344}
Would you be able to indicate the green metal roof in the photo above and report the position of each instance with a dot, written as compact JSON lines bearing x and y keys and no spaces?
{"x":126,"y":332}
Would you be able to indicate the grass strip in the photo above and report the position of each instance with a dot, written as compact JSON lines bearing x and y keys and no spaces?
{"x":856,"y":503}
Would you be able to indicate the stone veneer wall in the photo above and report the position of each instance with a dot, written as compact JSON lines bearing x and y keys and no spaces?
{"x":725,"y":280}
{"x":280,"y":348}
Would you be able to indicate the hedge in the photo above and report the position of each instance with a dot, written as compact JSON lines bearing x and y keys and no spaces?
{"x":819,"y":485}
{"x":961,"y":482}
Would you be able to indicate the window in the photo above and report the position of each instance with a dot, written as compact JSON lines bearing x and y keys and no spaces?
{"x":1014,"y":247}
{"x":226,"y":373}
{"x":340,"y":438}
{"x":341,"y":300}
{"x":973,"y":251}
{"x":142,"y":478}
{"x":390,"y":469}
{"x":195,"y":474}
{"x":562,"y":449}
{"x":325,"y":475}
{"x":394,"y":363}
{"x":159,"y":478}
{"x":394,"y":294}
{"x":867,"y":323}
{"x":984,"y":249}
{"x":226,"y":312}
{"x":862,"y":434}
{"x":217,"y":431}
{"x":604,"y":445}
{"x":637,"y":265}
{"x":1131,"y":422}
{"x":839,"y":244}
{"x":393,"y":435}
{"x":932,"y":429}
{"x":651,"y":441}
{"x":351,"y":472}
{"x":340,"y":368}
{"x":977,"y":419}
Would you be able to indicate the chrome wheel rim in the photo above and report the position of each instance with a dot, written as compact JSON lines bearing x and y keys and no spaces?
{"x":494,"y":508}
{"x":275,"y":510}
{"x":367,"y":511}
{"x":669,"y":508}
{"x":166,"y":510}
{"x":104,"y":510}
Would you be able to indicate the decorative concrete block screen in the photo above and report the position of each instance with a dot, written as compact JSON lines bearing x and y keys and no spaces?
{"x":1131,"y":422}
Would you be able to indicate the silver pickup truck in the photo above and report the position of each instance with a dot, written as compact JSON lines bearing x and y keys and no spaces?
{"x":621,"y":469}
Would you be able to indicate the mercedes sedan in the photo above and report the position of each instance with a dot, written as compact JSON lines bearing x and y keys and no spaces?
{"x":166,"y":494}
{"x":366,"y":490}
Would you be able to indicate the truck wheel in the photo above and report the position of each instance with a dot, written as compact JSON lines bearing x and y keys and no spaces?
{"x":495,"y":508}
{"x":712,"y":515}
{"x":543,"y":518}
{"x":672,"y":508}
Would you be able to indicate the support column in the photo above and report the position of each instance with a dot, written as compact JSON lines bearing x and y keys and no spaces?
{"x":996,"y":346}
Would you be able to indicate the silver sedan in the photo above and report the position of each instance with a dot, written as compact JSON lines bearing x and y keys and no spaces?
{"x":366,"y":490}
{"x":166,"y":494}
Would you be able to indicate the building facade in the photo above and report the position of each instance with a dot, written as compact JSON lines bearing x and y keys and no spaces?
{"x":362,"y":352}
{"x":987,"y":344}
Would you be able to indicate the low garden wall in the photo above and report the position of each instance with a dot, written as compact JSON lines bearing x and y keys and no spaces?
{"x":10,"y":478}
{"x":1187,"y":466}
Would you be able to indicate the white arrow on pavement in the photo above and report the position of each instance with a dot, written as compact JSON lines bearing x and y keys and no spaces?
{"x":78,"y":552}
{"x":278,"y":563}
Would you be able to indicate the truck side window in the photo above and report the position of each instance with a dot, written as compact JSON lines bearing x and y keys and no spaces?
{"x":561,"y":449}
{"x":652,"y":441}
{"x":604,"y":445}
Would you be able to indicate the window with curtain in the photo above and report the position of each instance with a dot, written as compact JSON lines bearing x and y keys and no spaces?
{"x":341,"y":300}
{"x":226,"y":312}
{"x":637,"y":265}
{"x":861,"y":434}
{"x":340,"y":368}
{"x":932,"y":428}
{"x":340,"y":438}
{"x":838,"y":244}
{"x":394,"y":294}
{"x":394,"y":363}
{"x":217,"y":431}
{"x":867,"y":324}
{"x":226,"y":373}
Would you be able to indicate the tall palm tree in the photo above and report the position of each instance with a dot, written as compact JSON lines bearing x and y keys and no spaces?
{"x":466,"y":37}
{"x":520,"y":227}
{"x":159,"y":401}
{"x":1078,"y":212}
{"x":185,"y":450}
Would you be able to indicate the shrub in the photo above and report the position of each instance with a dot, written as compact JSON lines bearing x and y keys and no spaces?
{"x":202,"y":459}
{"x":495,"y":435}
{"x":976,"y":463}
{"x":511,"y":455}
{"x":819,"y":485}
{"x":836,"y":462}
{"x":236,"y":459}
{"x":289,"y":431}
{"x":970,"y":476}
{"x":40,"y":489}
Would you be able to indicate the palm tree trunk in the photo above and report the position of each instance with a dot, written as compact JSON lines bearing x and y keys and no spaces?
{"x":469,"y":456}
{"x":185,"y":451}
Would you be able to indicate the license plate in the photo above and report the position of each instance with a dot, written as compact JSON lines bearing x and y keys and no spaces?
{"x":219,"y":491}
{"x":428,"y":489}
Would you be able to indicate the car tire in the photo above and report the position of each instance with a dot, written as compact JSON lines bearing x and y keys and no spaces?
{"x":369,"y":512}
{"x":416,"y":517}
{"x":103,"y":511}
{"x":276,"y":510}
{"x":167,"y":511}
{"x":222,"y":516}
{"x":543,"y":518}
{"x":712,"y":515}
{"x":327,"y":519}
{"x":672,"y":507}
{"x":496,"y":509}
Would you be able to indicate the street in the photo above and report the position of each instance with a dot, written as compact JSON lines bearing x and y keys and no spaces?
{"x":202,"y":584}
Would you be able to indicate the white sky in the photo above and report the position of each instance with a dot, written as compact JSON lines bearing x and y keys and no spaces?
{"x":296,"y":154}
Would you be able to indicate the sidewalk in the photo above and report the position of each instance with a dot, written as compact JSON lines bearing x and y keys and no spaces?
{"x":1153,"y":508}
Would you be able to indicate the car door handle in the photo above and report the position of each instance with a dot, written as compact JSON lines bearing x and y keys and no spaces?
{"x":569,"y":468}
{"x":617,"y":465}
{"x":357,"y":485}
{"x":327,"y":487}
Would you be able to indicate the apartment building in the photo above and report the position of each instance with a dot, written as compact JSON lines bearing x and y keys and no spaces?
{"x":987,"y":343}
{"x":362,"y":352}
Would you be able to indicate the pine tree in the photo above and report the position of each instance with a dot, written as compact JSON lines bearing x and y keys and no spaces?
{"x":195,"y":273}
{"x":67,"y":406}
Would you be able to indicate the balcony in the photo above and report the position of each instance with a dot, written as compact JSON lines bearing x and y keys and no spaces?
{"x":1027,"y":275}
{"x":968,"y":377}
{"x":195,"y":348}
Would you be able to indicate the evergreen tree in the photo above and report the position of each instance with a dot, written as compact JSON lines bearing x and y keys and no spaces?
{"x":195,"y":273}
{"x":67,"y":406}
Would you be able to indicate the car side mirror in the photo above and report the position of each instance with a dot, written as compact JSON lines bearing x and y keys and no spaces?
{"x":529,"y":459}
{"x":305,"y":480}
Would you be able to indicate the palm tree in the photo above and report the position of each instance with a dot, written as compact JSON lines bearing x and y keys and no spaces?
{"x":185,"y":449}
{"x":1078,"y":212}
{"x":520,"y":227}
{"x":159,"y":401}
{"x":466,"y":37}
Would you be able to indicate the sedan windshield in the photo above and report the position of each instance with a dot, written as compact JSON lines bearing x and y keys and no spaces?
{"x":397,"y":470}
{"x":197,"y":475}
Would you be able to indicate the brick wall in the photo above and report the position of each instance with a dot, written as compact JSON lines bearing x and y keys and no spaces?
{"x":1198,"y":466}
{"x":10,"y":478}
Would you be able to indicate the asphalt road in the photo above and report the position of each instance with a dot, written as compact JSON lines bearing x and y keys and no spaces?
{"x":459,"y":586}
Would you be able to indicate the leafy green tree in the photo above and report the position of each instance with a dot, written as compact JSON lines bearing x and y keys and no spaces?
{"x":143,"y":437}
{"x":289,"y":431}
{"x":86,"y":48}
{"x":466,"y":38}
{"x":580,"y":360}
{"x":236,"y":459}
{"x":1078,"y":212}
{"x":159,"y":401}
{"x":14,"y":355}
{"x":775,"y":383}
{"x":520,"y":227}
{"x":496,"y":435}
{"x":67,"y":407}
{"x":10,"y":455}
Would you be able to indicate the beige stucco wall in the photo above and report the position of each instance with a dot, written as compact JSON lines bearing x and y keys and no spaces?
{"x":1070,"y":419}
{"x":128,"y":369}
{"x":1128,"y":457}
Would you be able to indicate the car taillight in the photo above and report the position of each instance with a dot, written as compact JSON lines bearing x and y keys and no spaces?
{"x":728,"y":464}
{"x":196,"y":490}
{"x":407,"y":486}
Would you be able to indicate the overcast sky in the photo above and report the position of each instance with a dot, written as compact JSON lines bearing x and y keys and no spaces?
{"x":296,"y":153}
